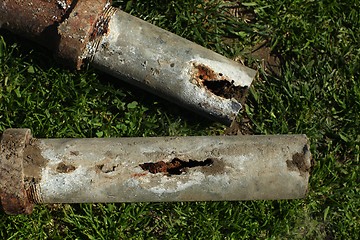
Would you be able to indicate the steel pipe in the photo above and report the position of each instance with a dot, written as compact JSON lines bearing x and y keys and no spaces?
{"x":156,"y":169}
{"x":133,"y":50}
{"x":172,"y":67}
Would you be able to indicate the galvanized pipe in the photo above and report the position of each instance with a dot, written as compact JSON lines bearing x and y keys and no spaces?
{"x":172,"y":67}
{"x":157,"y":169}
{"x":133,"y":50}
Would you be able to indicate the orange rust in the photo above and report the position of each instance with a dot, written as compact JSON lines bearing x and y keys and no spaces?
{"x":79,"y":29}
{"x":205,"y":73}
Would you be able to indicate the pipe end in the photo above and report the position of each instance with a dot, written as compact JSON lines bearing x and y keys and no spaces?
{"x":13,"y":196}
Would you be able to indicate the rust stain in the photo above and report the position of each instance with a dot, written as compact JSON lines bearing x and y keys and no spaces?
{"x":85,"y":23}
{"x":217,"y":83}
{"x":205,"y":73}
{"x":33,"y":160}
{"x":298,"y":163}
{"x":13,"y":195}
{"x":139,"y":174}
{"x":100,"y":28}
{"x":217,"y":167}
{"x":14,"y":204}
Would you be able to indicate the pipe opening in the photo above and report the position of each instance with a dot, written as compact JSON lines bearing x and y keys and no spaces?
{"x":175,"y":167}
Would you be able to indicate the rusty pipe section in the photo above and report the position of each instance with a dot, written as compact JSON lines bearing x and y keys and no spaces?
{"x":133,"y":50}
{"x":157,"y":169}
{"x":36,"y":20}
{"x":172,"y":67}
{"x":63,"y":26}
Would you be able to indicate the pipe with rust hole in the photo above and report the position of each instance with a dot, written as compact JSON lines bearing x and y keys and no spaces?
{"x":134,"y":51}
{"x":156,"y":169}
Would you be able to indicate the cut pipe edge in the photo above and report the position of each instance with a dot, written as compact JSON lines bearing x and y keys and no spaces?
{"x":135,"y":51}
{"x":156,"y":169}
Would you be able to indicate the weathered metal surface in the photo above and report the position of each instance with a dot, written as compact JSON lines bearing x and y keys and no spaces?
{"x":184,"y":169}
{"x":85,"y":23}
{"x":14,"y":198}
{"x":133,"y":50}
{"x":173,"y":67}
{"x":67,"y":27}
{"x":34,"y":19}
{"x":214,"y":168}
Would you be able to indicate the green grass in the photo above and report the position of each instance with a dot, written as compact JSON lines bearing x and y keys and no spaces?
{"x":317,"y":93}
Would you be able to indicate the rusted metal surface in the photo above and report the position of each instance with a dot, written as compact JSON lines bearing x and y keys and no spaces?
{"x":172,"y":67}
{"x":63,"y":26}
{"x":135,"y":51}
{"x":14,"y":198}
{"x":214,"y":168}
{"x":34,"y":19}
{"x":85,"y":23}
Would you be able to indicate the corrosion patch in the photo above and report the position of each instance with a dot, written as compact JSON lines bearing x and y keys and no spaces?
{"x":298,"y":163}
{"x":13,"y":197}
{"x":65,"y":168}
{"x":33,"y":161}
{"x":217,"y":83}
{"x":106,"y":168}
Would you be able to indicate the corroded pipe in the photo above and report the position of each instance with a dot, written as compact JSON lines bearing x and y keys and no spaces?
{"x":133,"y":50}
{"x":157,"y":169}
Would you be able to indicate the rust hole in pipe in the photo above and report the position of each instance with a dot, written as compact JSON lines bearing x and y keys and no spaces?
{"x":175,"y":166}
{"x":107,"y":168}
{"x":63,"y":168}
{"x":217,"y":83}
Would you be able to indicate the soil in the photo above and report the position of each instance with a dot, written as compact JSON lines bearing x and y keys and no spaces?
{"x":270,"y":62}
